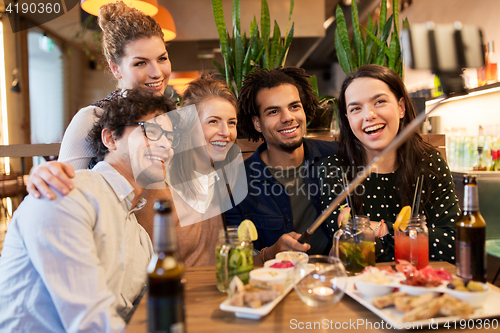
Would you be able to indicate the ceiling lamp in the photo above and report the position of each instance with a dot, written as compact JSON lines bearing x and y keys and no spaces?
{"x":148,"y":7}
{"x":180,"y":80}
{"x":166,"y":22}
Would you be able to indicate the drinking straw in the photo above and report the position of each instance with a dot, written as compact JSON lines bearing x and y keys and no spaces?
{"x":415,"y":196}
{"x":348,"y":199}
{"x":418,"y":192}
{"x":223,"y":215}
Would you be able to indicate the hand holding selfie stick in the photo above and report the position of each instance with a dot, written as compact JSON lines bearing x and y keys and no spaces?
{"x":427,"y":46}
{"x":395,"y":144}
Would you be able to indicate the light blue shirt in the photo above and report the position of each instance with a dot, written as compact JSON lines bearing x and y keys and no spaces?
{"x":77,"y":263}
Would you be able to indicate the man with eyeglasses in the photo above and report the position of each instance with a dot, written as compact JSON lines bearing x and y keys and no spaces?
{"x":78,"y":263}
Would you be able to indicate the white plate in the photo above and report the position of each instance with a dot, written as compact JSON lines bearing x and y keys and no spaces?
{"x":490,"y":308}
{"x":251,"y":313}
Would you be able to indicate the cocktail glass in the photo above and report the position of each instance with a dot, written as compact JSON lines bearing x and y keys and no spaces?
{"x":233,"y":257}
{"x":412,"y":243}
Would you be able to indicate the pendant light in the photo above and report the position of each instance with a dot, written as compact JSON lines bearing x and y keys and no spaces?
{"x":148,"y":7}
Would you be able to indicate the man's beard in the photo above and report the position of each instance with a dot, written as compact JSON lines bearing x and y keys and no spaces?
{"x":290,"y":147}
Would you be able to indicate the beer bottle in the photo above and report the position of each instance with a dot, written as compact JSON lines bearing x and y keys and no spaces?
{"x":165,"y":274}
{"x":471,"y":235}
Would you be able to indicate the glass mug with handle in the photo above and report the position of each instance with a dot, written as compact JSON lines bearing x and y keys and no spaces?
{"x":354,"y":244}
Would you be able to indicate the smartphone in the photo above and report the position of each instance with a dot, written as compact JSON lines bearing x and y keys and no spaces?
{"x":443,"y":48}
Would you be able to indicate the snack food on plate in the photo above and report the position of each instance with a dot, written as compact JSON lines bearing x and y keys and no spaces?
{"x":451,"y":306}
{"x":386,"y":300}
{"x":426,"y":311}
{"x":467,"y":286}
{"x":425,"y":306}
{"x":407,"y":303}
{"x":253,"y":295}
{"x":373,"y":275}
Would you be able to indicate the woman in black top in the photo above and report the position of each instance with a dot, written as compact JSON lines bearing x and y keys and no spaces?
{"x":373,"y":107}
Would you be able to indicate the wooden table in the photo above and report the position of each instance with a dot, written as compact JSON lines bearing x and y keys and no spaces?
{"x":203,"y":314}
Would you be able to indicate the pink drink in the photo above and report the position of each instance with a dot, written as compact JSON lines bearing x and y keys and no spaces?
{"x":414,"y":249}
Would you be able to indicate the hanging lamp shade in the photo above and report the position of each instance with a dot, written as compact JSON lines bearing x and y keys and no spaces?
{"x":179,"y":80}
{"x":148,"y":7}
{"x":166,"y":22}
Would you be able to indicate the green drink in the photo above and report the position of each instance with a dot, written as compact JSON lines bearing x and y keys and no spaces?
{"x":233,"y":257}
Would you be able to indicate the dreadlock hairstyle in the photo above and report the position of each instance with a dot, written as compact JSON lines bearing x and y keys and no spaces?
{"x":412,"y":157}
{"x":263,"y":78}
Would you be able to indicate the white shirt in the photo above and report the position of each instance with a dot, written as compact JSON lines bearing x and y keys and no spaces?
{"x":77,"y":263}
{"x":75,"y":149}
{"x":206,"y":191}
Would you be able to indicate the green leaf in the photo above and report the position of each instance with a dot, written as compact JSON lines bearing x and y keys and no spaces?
{"x":357,"y":39}
{"x":383,"y":15}
{"x":221,"y":29}
{"x":387,"y":30}
{"x":239,"y":53}
{"x":219,"y":67}
{"x":314,"y":82}
{"x":382,"y":45}
{"x":274,"y":44}
{"x":406,"y":24}
{"x":265,"y":24}
{"x":292,"y":4}
{"x":395,"y":13}
{"x":369,"y":27}
{"x":343,"y":45}
{"x":341,"y":54}
{"x":288,"y":41}
{"x":265,"y":21}
{"x":236,"y":15}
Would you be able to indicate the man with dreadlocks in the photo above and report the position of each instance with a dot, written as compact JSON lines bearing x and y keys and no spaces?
{"x":283,"y":188}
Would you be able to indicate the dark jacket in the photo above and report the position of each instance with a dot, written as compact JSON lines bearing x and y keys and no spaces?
{"x":267,"y":204}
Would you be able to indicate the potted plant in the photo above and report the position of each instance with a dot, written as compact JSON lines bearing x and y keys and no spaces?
{"x":379,"y":46}
{"x":241,"y":53}
{"x":324,"y":119}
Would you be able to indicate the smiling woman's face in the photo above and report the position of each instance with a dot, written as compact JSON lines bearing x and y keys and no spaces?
{"x":218,"y":122}
{"x":373,"y":113}
{"x":145,"y":64}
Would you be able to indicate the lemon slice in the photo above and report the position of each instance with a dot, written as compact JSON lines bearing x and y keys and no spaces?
{"x":247,"y":229}
{"x":403,"y":218}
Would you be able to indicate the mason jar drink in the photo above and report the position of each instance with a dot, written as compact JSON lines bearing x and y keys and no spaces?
{"x":233,"y":257}
{"x":412,"y":243}
{"x":355,"y":244}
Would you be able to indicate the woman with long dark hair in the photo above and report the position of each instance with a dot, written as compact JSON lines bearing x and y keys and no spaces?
{"x":374,"y":107}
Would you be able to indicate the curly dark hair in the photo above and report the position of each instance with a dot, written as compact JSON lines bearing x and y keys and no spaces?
{"x":128,"y":107}
{"x":266,"y":79}
{"x":412,"y":156}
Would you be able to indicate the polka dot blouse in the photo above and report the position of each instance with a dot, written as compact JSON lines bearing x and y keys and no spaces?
{"x":380,"y":201}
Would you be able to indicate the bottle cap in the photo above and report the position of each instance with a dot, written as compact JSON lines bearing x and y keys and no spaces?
{"x":163,"y":206}
{"x":470,"y":179}
{"x":491,"y":46}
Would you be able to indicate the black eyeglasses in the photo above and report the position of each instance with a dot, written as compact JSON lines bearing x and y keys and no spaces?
{"x":154,"y":132}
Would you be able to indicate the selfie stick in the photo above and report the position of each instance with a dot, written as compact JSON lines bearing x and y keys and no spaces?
{"x":395,"y":144}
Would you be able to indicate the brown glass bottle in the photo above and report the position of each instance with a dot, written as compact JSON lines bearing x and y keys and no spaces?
{"x":471,"y":235}
{"x":165,"y":274}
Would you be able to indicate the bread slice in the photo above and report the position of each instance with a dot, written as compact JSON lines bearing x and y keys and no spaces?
{"x":386,"y":300}
{"x":452,"y":306}
{"x":426,"y":311}
{"x":407,"y":303}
